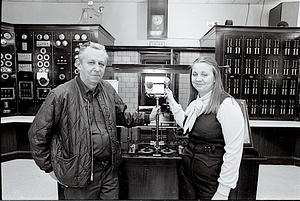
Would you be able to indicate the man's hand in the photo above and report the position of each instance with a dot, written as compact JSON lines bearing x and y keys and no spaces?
{"x":154,"y":112}
{"x":55,"y":178}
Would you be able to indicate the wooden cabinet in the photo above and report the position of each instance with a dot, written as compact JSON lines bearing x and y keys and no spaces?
{"x":263,"y":67}
{"x":149,"y":178}
{"x":14,"y":141}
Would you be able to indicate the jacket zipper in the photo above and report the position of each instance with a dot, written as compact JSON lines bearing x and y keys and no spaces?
{"x":89,"y":122}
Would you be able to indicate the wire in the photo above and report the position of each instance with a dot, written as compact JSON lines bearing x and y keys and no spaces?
{"x":262,"y":9}
{"x":248,"y":8}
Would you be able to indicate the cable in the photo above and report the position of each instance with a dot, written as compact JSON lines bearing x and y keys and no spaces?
{"x":262,"y":9}
{"x":248,"y":6}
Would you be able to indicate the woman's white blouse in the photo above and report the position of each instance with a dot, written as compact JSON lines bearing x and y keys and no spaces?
{"x":232,"y":123}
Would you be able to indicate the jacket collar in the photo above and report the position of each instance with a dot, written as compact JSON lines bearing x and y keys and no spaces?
{"x":84,"y":90}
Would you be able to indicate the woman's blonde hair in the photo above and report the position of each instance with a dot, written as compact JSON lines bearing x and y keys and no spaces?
{"x":218,"y":91}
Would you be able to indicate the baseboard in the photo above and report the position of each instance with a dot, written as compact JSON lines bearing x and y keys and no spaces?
{"x":280,"y":160}
{"x":16,"y":155}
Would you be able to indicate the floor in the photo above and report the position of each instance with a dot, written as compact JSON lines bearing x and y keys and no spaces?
{"x":278,"y":182}
{"x":22,"y":180}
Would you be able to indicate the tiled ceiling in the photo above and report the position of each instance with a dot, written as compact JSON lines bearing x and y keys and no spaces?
{"x":187,"y":1}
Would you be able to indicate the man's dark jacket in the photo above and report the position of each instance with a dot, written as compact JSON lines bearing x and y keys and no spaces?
{"x":60,"y":135}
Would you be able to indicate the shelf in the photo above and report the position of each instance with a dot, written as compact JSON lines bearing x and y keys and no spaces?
{"x":253,"y":123}
{"x":17,"y":119}
{"x":278,"y":124}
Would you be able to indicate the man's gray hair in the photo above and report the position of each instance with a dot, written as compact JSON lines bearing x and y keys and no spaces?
{"x":93,"y":45}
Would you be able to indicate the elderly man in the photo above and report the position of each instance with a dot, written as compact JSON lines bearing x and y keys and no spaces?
{"x":73,"y":136}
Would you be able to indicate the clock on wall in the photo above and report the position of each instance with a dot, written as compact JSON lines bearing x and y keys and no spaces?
{"x":157,"y":19}
{"x":157,"y":25}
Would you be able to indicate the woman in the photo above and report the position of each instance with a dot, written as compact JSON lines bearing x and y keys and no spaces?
{"x":214,"y":123}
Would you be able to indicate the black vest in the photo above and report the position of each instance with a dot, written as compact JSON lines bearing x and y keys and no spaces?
{"x":206,"y":140}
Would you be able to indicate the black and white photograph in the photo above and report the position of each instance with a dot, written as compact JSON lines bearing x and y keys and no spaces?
{"x":150,"y":100}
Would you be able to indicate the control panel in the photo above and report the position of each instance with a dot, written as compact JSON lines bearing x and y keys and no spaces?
{"x":78,"y":38}
{"x":37,"y":58}
{"x":62,"y":41}
{"x":8,"y":71}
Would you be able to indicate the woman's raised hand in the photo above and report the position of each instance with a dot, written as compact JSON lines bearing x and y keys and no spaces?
{"x":169,"y":95}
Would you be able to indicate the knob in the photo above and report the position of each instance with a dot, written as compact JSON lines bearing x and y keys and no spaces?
{"x":46,"y":57}
{"x":46,"y":64}
{"x":4,"y":76}
{"x":39,"y":64}
{"x":62,"y":76}
{"x":8,"y":56}
{"x":76,"y":63}
{"x":46,"y":37}
{"x":39,"y":36}
{"x":65,"y":43}
{"x":76,"y":36}
{"x":7,"y":36}
{"x":24,"y":36}
{"x":58,"y":43}
{"x":8,"y":63}
{"x":39,"y":57}
{"x":43,"y":81}
{"x":61,"y":36}
{"x":83,"y":36}
{"x":43,"y":50}
{"x":77,"y":49}
{"x":3,"y":42}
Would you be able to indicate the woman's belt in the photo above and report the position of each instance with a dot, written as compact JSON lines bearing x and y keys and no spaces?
{"x":204,"y":148}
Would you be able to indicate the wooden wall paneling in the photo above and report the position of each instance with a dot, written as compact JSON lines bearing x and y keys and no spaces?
{"x":278,"y":145}
{"x":297,"y":150}
{"x":150,"y":178}
{"x":8,"y":138}
{"x":22,"y":136}
{"x":247,"y":183}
